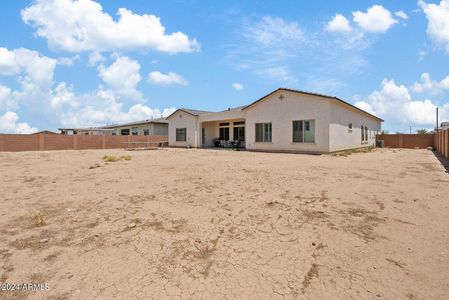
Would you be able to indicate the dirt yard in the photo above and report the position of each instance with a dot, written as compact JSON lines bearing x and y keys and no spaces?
{"x":206,"y":224}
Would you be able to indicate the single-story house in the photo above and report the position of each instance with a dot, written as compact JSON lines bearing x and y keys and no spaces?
{"x":145,"y":127}
{"x":285,"y":120}
{"x":85,"y":131}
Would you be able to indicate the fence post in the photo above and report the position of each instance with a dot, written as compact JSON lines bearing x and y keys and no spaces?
{"x":400,"y":141}
{"x":75,"y":142}
{"x":41,"y":142}
{"x":2,"y":143}
{"x":103,"y":142}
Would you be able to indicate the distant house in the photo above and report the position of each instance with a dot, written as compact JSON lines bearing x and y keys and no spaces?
{"x":85,"y":131}
{"x":45,"y":132}
{"x":444,"y":125}
{"x":145,"y":127}
{"x":285,"y":120}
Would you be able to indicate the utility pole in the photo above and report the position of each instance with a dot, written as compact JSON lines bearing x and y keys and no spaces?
{"x":410,"y":129}
{"x":437,"y":120}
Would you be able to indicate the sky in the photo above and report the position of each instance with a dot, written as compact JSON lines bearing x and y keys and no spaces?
{"x":66,"y":63}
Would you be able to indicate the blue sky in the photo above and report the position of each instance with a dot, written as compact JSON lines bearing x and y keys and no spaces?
{"x":86,"y":63}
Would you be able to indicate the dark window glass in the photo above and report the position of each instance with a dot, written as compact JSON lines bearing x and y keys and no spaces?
{"x":181,"y":134}
{"x":224,"y":133}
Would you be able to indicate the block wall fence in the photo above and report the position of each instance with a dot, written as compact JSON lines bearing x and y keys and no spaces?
{"x":441,"y":141}
{"x":45,"y":142}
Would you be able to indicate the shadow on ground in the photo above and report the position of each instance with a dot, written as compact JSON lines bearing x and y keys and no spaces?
{"x":443,"y":160}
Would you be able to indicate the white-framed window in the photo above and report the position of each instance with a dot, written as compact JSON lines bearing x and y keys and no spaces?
{"x":181,"y":134}
{"x":304,"y":131}
{"x":263,"y":132}
{"x":350,"y":127}
{"x":146,"y":131}
{"x":134,"y":131}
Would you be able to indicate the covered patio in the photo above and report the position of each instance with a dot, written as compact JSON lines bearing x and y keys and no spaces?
{"x":223,"y":130}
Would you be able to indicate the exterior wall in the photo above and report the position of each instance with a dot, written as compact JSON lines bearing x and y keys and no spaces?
{"x":181,"y":119}
{"x":341,"y":138}
{"x":36,"y":142}
{"x":282,"y":113}
{"x":154,"y":129}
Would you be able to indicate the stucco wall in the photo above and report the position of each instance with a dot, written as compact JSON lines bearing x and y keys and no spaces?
{"x":154,"y":129}
{"x":181,"y":119}
{"x":340,"y":136}
{"x":282,"y":113}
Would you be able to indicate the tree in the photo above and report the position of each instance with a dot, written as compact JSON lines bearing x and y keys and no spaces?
{"x":422,"y":131}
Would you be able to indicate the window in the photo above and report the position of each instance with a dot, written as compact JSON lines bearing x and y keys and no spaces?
{"x":224,"y":133}
{"x":364,"y":130}
{"x":263,"y":132}
{"x":224,"y":124}
{"x":135,"y":131}
{"x":239,"y":133}
{"x":114,"y":132}
{"x":181,"y":134}
{"x":124,"y":131}
{"x":203,"y":135}
{"x":239,"y":123}
{"x":304,"y":131}
{"x":146,"y":132}
{"x":350,"y":127}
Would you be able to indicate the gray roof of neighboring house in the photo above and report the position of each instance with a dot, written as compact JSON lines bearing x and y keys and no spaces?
{"x":155,"y":121}
{"x":444,"y":124}
{"x":193,"y":112}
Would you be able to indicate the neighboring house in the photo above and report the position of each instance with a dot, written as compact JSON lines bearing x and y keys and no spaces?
{"x":145,"y":127}
{"x":444,"y":125}
{"x":285,"y":120}
{"x":85,"y":131}
{"x":45,"y":132}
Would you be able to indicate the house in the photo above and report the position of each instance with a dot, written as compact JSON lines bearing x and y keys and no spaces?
{"x":85,"y":131}
{"x":145,"y":127}
{"x":444,"y":125}
{"x":45,"y":132}
{"x":285,"y":120}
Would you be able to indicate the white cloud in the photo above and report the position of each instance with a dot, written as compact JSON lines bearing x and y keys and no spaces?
{"x":438,"y":22}
{"x":9,"y":124}
{"x":377,"y":19}
{"x":431,"y":86}
{"x":395,"y":104}
{"x":68,"y":61}
{"x":274,"y":31}
{"x":282,"y":74}
{"x":6,"y":99}
{"x":103,"y":107}
{"x":237,"y":86}
{"x":122,"y":76}
{"x":401,"y":14}
{"x":39,"y":69}
{"x":83,"y":26}
{"x":339,"y":23}
{"x":170,"y":78}
{"x":94,"y":58}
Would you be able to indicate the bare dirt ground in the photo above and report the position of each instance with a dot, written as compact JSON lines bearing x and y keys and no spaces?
{"x":206,"y":224}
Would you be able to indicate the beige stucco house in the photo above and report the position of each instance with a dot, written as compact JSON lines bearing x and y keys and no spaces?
{"x":285,"y":120}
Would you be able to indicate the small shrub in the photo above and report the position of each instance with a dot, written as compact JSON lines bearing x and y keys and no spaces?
{"x":110,"y":158}
{"x":39,"y":220}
